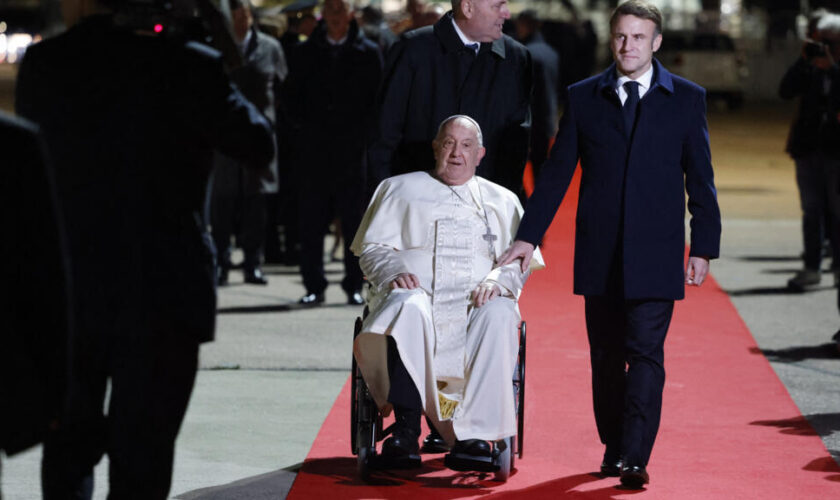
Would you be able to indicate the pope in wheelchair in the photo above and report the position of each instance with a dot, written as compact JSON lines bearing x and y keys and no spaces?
{"x":441,"y":334}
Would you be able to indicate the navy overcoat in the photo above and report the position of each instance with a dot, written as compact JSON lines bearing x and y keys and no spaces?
{"x":632,"y":191}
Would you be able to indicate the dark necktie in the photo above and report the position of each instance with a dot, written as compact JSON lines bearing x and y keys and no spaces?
{"x":473,"y":47}
{"x":631,"y":104}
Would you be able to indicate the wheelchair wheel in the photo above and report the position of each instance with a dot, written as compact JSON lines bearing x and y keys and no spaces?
{"x":355,"y":382}
{"x":367,"y":432}
{"x":520,"y":410}
{"x":505,"y":459}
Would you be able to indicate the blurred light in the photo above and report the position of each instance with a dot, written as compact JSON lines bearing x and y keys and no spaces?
{"x":3,"y":26}
{"x":158,"y":28}
{"x":13,"y":46}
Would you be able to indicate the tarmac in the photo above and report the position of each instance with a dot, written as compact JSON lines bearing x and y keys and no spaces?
{"x":275,"y":369}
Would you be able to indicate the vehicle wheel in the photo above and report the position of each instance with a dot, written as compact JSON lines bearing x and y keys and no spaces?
{"x":505,"y":460}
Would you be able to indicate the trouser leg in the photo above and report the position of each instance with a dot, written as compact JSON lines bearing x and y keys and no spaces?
{"x":222,"y":216}
{"x":71,"y":451}
{"x":349,"y":209}
{"x":153,"y":377}
{"x":403,"y":394}
{"x":271,"y":248}
{"x":646,"y":325}
{"x":809,"y":179}
{"x":605,"y":329}
{"x":252,"y":233}
{"x":314,"y":212}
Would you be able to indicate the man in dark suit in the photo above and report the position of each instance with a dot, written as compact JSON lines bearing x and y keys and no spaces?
{"x":640,"y":135}
{"x":461,"y":65}
{"x":34,"y":300}
{"x":240,"y":196}
{"x":330,"y":96}
{"x":130,"y":120}
{"x":546,"y":83}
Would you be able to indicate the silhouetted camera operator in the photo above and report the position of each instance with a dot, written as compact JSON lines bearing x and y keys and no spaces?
{"x":814,"y":146}
{"x":130,"y":117}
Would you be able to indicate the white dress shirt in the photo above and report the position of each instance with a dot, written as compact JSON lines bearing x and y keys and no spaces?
{"x":464,"y":38}
{"x":644,"y":82}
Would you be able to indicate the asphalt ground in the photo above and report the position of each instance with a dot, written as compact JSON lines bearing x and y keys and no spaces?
{"x":267,"y":382}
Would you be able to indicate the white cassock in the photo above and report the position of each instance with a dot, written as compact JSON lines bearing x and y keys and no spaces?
{"x":461,"y":358}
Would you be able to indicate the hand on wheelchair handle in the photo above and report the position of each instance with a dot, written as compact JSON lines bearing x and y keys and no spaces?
{"x":405,"y":280}
{"x":484,"y":293}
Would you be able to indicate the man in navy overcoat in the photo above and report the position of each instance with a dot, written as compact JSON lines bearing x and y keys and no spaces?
{"x":640,"y":135}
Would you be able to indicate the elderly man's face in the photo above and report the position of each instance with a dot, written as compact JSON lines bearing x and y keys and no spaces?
{"x":457,"y":152}
{"x":485,"y":18}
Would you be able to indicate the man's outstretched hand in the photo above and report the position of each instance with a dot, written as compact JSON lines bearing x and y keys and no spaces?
{"x":519,"y":250}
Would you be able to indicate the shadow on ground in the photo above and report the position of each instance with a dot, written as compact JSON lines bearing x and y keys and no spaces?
{"x":342,"y":471}
{"x":272,"y":485}
{"x":799,"y":353}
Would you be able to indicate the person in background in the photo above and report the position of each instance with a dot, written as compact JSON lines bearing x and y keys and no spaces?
{"x":239,"y":195}
{"x":813,"y":144}
{"x":330,"y":96}
{"x":546,"y":81}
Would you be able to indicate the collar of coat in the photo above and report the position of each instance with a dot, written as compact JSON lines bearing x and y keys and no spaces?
{"x":354,"y":35}
{"x":452,"y":42}
{"x":661,"y":79}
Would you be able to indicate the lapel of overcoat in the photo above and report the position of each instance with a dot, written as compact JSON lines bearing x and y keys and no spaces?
{"x":649,"y":105}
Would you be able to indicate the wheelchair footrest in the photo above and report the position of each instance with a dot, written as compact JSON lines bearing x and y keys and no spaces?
{"x":466,"y":463}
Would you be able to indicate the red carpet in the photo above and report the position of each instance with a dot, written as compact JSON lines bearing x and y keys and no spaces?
{"x":729,"y":428}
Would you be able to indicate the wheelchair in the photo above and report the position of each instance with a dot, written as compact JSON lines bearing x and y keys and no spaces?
{"x":366,"y":425}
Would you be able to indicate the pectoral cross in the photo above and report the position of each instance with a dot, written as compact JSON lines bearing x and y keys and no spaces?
{"x":489,"y":237}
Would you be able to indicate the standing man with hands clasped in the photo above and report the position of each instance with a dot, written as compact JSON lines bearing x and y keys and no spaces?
{"x":640,"y":135}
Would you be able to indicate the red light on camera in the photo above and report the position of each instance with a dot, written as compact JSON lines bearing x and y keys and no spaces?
{"x":158,"y":28}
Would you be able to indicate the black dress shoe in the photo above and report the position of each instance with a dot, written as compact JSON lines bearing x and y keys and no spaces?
{"x":312,"y":299}
{"x":611,"y":468}
{"x":634,"y":476}
{"x":254,"y":276}
{"x":472,"y":447}
{"x":471,"y":455}
{"x":355,"y":299}
{"x":400,"y":452}
{"x":434,"y":443}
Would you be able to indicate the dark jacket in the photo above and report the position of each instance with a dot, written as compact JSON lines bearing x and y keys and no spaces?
{"x":546,"y":64}
{"x":131,"y":122}
{"x":330,"y":95}
{"x":632,"y":194}
{"x":34,"y":296}
{"x":260,"y":79}
{"x":816,"y":126}
{"x":429,"y":76}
